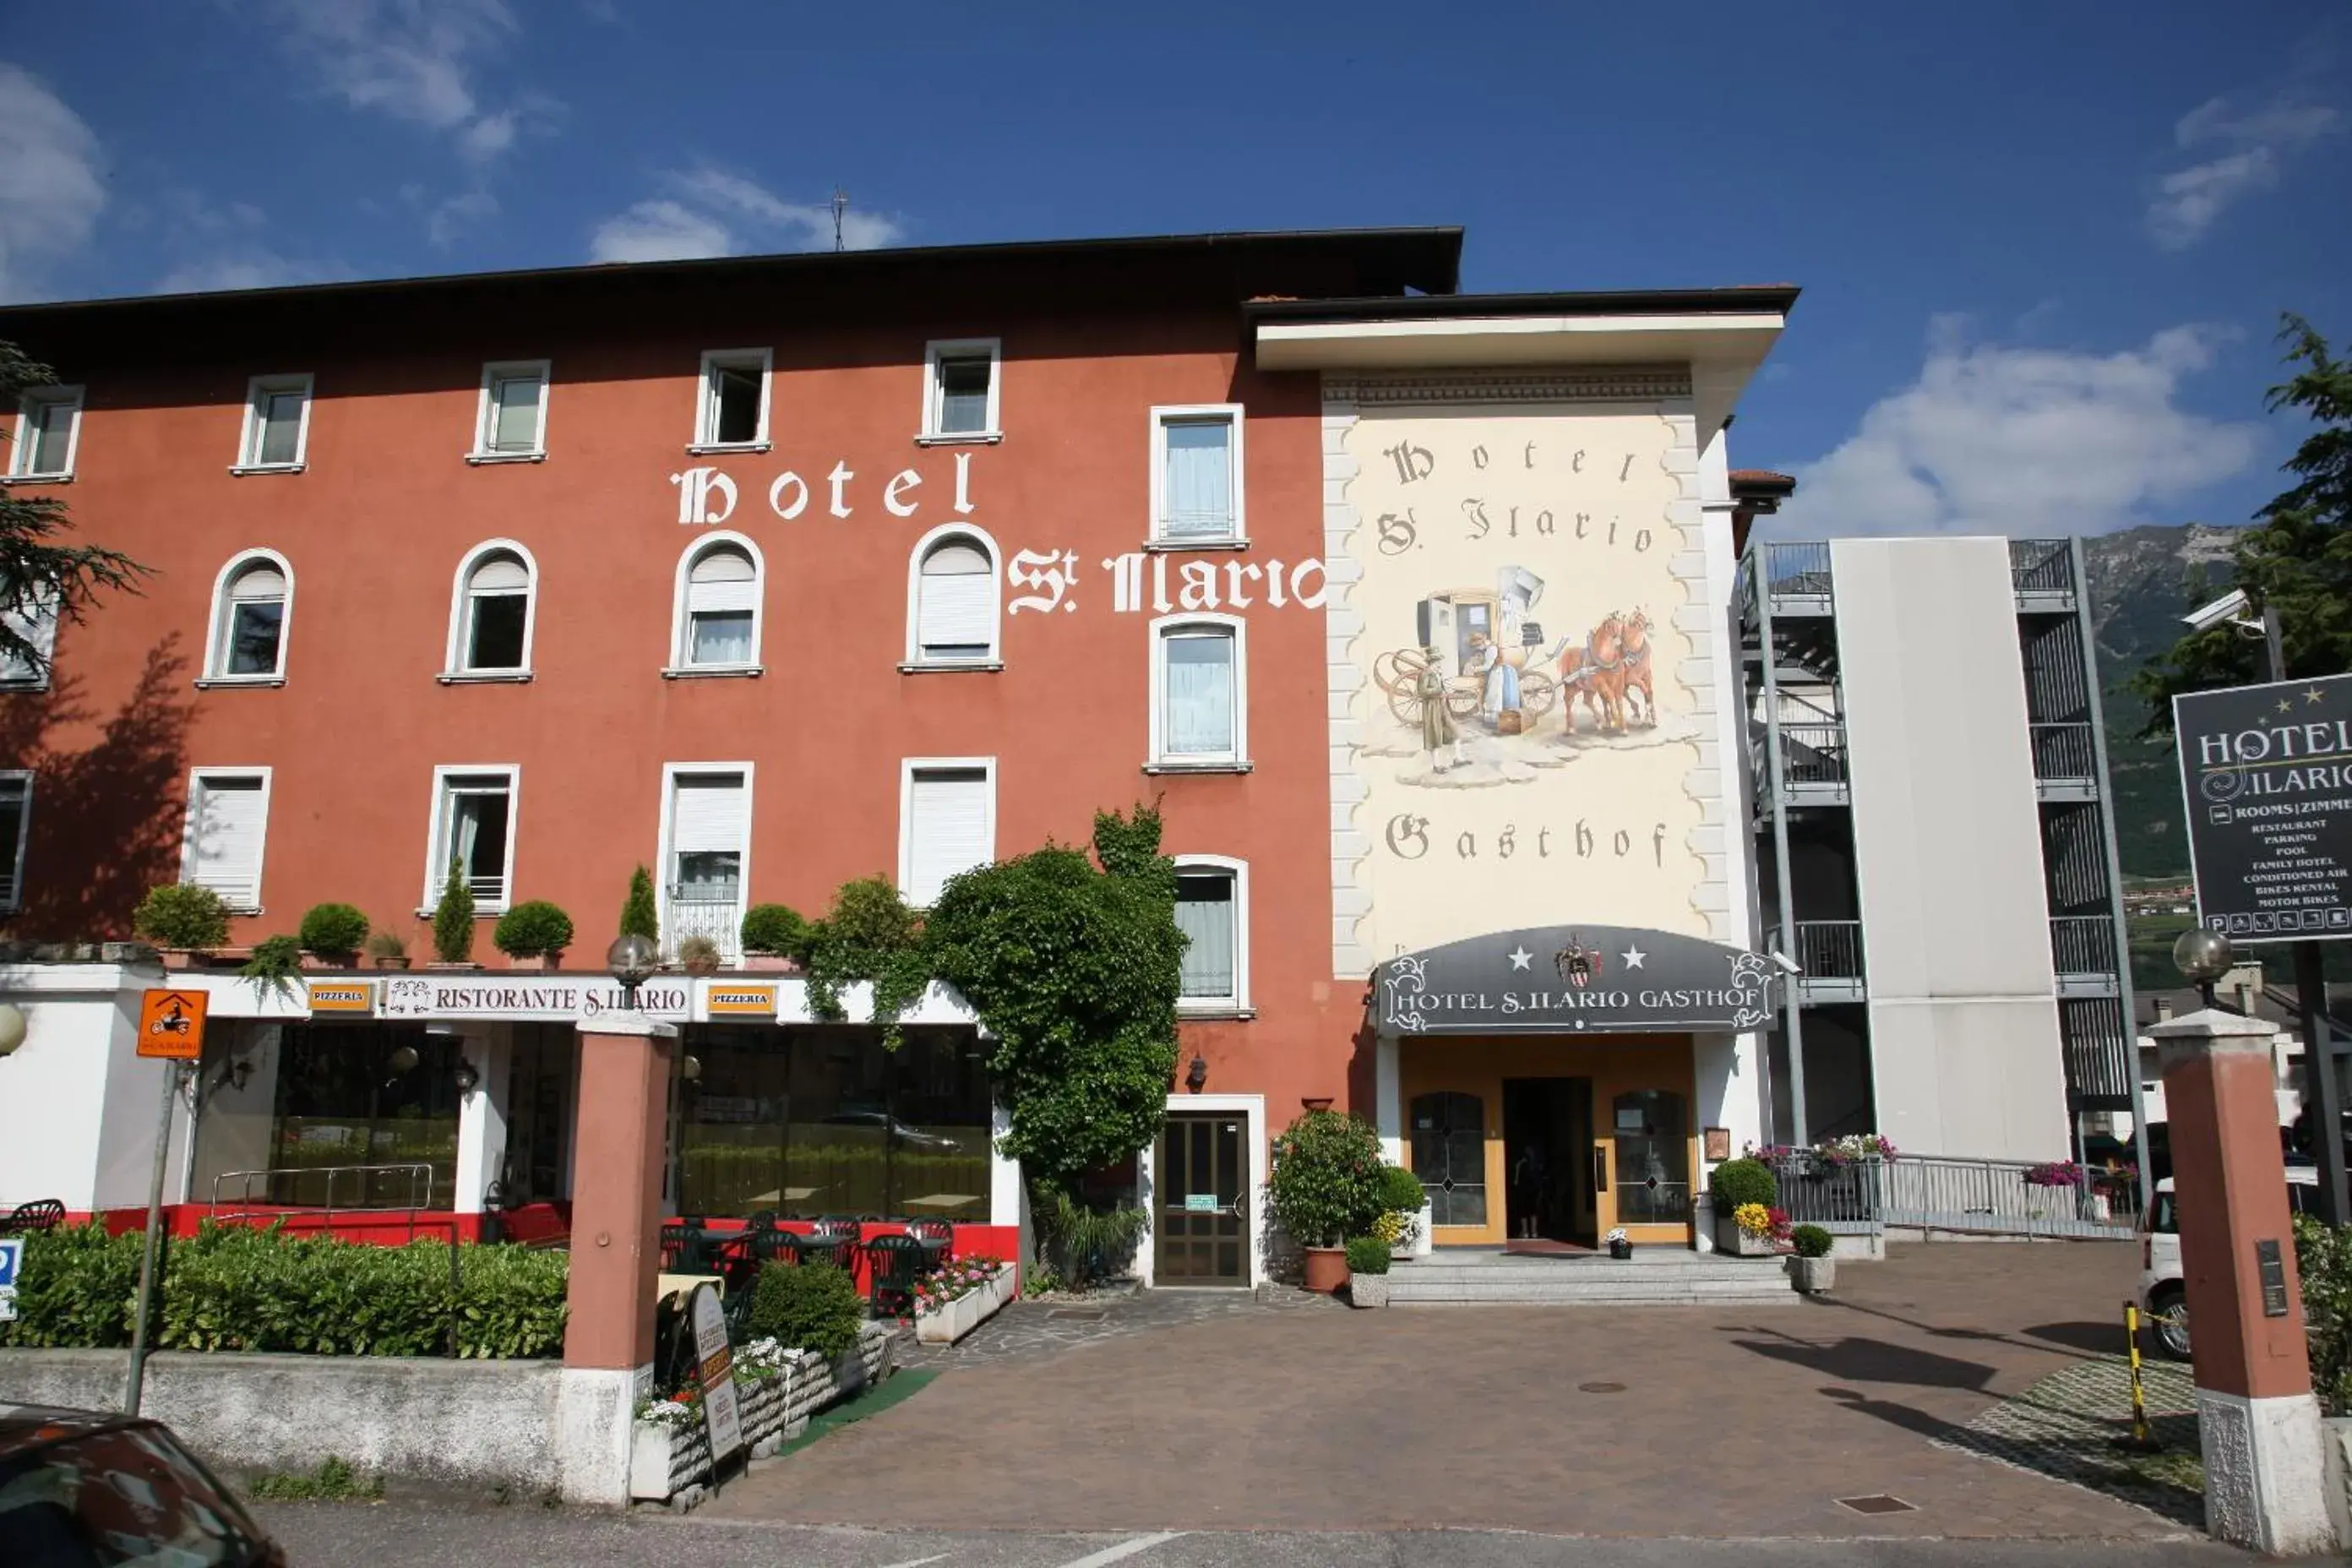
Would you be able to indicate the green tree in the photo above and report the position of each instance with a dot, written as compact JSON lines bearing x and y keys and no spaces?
{"x":39,"y":574}
{"x":639,"y":916}
{"x":2297,"y":558}
{"x":453,"y":918}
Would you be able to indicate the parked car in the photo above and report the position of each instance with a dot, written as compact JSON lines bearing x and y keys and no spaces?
{"x":2161,"y":1294}
{"x":79,"y":1489}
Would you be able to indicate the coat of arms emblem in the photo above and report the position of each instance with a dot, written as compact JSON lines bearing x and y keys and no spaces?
{"x":1579,"y":965}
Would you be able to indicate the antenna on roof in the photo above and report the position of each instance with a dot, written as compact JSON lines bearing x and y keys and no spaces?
{"x":840,"y":208}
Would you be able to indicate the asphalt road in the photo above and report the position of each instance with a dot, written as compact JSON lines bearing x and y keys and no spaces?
{"x":394,"y":1535}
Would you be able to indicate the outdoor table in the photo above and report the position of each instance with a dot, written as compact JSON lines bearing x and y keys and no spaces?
{"x":943,"y":1202}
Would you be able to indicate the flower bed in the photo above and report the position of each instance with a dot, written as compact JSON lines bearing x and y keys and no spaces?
{"x":777,"y":1389}
{"x":957,"y":1297}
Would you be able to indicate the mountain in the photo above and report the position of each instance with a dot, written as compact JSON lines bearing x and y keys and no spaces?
{"x":2141,"y":580}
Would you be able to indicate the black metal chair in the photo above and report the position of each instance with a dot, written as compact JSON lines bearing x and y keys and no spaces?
{"x":937,"y":1236}
{"x":898,"y":1262}
{"x":41,"y":1213}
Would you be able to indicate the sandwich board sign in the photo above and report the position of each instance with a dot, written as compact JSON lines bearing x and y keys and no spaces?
{"x":715,"y":1361}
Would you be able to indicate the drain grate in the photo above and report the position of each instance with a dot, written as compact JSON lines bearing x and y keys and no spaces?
{"x":1881,"y":1503}
{"x":1600,"y":1387}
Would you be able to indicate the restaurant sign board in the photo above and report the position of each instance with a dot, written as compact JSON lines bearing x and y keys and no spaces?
{"x":558,"y":998}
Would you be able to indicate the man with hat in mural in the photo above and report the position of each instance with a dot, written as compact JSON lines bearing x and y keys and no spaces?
{"x":1437,"y":731}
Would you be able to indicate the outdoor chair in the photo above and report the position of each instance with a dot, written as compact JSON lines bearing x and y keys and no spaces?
{"x":41,"y":1213}
{"x":937,"y":1236}
{"x":898,"y":1262}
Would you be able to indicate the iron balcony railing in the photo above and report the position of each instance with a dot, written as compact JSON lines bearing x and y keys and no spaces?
{"x":2040,"y":566}
{"x":2083,"y":944}
{"x":1813,"y":753}
{"x":1829,"y":950}
{"x":2063,"y":751}
{"x":1983,"y":1198}
{"x":1797,"y":571}
{"x":720,"y":920}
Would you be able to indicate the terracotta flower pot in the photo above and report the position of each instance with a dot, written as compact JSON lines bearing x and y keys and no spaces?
{"x":1327,"y":1269}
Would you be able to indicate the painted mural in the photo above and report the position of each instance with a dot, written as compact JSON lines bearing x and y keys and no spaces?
{"x":1524,"y":742}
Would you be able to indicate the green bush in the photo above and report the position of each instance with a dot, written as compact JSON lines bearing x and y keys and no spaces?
{"x":775,"y":929}
{"x":333,"y":929}
{"x":182,"y":915}
{"x":1328,"y":1184}
{"x":453,"y":918}
{"x":639,"y":915}
{"x":1401,"y":1191}
{"x":533,"y":928}
{"x":1084,"y":1244}
{"x":1811,"y":1241}
{"x":276,"y":960}
{"x":238,"y":1289}
{"x":1737,"y":1182}
{"x":2323,"y":1257}
{"x":814,"y":1306}
{"x":1367,"y":1255}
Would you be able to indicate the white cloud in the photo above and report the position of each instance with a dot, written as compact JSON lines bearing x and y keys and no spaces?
{"x":2024,"y":441}
{"x":50,"y":188}
{"x":254,"y":267}
{"x":450,"y":219}
{"x":2248,"y":153}
{"x":711,"y":212}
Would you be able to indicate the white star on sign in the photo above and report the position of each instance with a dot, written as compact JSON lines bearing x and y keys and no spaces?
{"x":1519,"y":959}
{"x":1633,"y":956}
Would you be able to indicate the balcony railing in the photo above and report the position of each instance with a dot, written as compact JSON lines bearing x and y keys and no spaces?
{"x":1797,"y":571}
{"x":2063,"y":751}
{"x":2040,"y":566}
{"x":2083,"y":944}
{"x":1985,"y":1197}
{"x":1813,"y":753}
{"x":720,"y":920}
{"x":1826,"y":950}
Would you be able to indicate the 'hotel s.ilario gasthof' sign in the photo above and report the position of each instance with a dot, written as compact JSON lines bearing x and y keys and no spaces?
{"x":2266,"y":772}
{"x":1574,"y":979}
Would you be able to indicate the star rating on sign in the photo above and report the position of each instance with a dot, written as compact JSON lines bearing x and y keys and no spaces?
{"x":2313,"y":694}
{"x":1519,"y":959}
{"x":2284,"y":706}
{"x":1633,"y":957}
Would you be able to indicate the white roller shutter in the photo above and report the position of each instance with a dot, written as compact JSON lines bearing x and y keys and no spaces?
{"x":722,"y":580}
{"x":948,"y":828}
{"x":228,"y":819}
{"x":955,"y":603}
{"x":500,"y":575}
{"x":709,"y":813}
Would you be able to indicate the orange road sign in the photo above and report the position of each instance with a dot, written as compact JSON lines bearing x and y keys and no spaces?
{"x":171,"y":1024}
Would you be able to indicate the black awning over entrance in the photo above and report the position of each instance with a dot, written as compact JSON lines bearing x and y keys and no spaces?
{"x":1568,"y":980}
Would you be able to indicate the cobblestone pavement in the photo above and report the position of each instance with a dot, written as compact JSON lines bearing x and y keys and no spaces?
{"x":1025,"y":1329}
{"x":2067,"y":1426}
{"x":1619,"y":1422}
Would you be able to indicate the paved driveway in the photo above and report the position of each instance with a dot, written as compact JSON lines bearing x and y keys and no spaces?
{"x":1618,"y":1422}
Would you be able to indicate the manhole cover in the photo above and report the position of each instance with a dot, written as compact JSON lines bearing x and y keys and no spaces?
{"x":1881,"y":1503}
{"x":1600,"y":1387}
{"x":1075,"y":1315}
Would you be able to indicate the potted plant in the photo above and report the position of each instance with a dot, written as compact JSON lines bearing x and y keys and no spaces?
{"x":773,"y":934}
{"x":1327,"y":1186}
{"x":1739,"y":1185}
{"x":1405,"y":1225}
{"x":387,"y":950}
{"x":700,"y":955}
{"x":534,"y":929}
{"x":1621,"y":1246}
{"x":639,"y":914}
{"x":332,"y":935}
{"x":452,"y":923}
{"x":274,"y":963}
{"x":1812,"y":1270}
{"x":183,"y":921}
{"x":1368,"y":1270}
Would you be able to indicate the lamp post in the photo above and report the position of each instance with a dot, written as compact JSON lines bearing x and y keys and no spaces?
{"x":12,"y":1027}
{"x":633,"y":960}
{"x":2203,"y":956}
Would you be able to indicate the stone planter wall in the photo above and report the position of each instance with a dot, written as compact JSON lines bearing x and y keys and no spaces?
{"x":1732,"y":1241}
{"x":2335,"y":1451}
{"x":1368,"y":1290}
{"x":664,"y":1460}
{"x":966,"y":1312}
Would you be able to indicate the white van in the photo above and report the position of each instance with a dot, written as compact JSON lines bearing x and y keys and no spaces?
{"x":2161,"y":1295}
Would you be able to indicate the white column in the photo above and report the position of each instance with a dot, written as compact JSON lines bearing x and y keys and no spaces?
{"x":1387,"y":1100}
{"x":482,"y":1113}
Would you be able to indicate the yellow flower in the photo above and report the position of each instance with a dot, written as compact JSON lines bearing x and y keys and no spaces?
{"x":1753,"y":1219}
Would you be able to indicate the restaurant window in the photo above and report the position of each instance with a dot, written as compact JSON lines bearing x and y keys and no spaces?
{"x":718,"y":616}
{"x":512,"y":423}
{"x":251,"y":603}
{"x":810,"y":1121}
{"x":733,"y":410}
{"x":1213,"y":912}
{"x":1198,"y":694}
{"x":960,"y":394}
{"x":1196,"y":467}
{"x":473,"y":820}
{"x":1653,"y":1136}
{"x":1449,"y":1155}
{"x":48,"y":425}
{"x":491,"y":626}
{"x":276,"y":424}
{"x":953,"y":619}
{"x":228,"y":827}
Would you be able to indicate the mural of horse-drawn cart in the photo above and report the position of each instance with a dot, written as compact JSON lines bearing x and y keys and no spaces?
{"x":1468,"y":635}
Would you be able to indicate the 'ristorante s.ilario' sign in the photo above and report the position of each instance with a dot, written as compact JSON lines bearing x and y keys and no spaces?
{"x":431,"y":997}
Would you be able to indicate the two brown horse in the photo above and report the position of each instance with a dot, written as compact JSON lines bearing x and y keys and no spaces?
{"x":1613,"y":663}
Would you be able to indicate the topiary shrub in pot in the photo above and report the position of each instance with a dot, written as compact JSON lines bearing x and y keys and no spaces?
{"x":773,"y":934}
{"x":333,"y":932}
{"x":182,"y":916}
{"x":1812,"y":1270}
{"x":533,"y":929}
{"x":1368,"y":1270}
{"x":1404,"y":1219}
{"x":1735,"y":1185}
{"x":453,"y":919}
{"x":1326,"y":1186}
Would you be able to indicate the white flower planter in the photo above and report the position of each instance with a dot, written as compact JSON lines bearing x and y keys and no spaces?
{"x":966,"y":1312}
{"x":663,"y":1459}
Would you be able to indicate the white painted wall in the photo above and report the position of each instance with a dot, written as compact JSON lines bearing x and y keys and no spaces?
{"x":1947,"y":850}
{"x":77,"y":1107}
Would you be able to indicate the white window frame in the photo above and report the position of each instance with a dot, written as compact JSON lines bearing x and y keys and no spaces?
{"x":908,"y":768}
{"x":1160,"y":762}
{"x":706,"y":401}
{"x":956,"y":532}
{"x":196,"y":779}
{"x":248,"y":453}
{"x":1238,"y":1004}
{"x":681,"y":631}
{"x":1158,"y":537}
{"x":933,"y":404}
{"x":485,"y":413}
{"x":1251,"y":1109}
{"x":16,"y":900}
{"x":20,"y":468}
{"x":665,"y":835}
{"x":214,"y":651}
{"x":453,"y":670}
{"x":437,"y":827}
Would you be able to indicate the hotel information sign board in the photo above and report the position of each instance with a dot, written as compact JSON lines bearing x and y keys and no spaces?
{"x":1569,"y":980}
{"x":2266,"y":776}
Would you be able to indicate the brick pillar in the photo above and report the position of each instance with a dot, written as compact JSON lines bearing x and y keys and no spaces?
{"x":2256,"y":1418}
{"x":620,"y":1133}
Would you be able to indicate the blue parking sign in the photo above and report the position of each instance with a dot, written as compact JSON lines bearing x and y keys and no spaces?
{"x":12,"y":1256}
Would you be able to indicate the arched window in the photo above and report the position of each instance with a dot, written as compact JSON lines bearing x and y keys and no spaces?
{"x":1449,"y":1155}
{"x":492,"y":615}
{"x":718,"y":618}
{"x":952,"y":599}
{"x":253,"y":599}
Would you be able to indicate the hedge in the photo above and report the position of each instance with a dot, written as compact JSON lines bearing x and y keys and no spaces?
{"x":238,"y":1289}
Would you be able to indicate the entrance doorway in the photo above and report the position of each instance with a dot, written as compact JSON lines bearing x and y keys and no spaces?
{"x":1200,"y":1200}
{"x":1548,"y":1158}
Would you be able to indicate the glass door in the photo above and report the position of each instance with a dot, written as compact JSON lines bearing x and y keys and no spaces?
{"x":1201,"y":1183}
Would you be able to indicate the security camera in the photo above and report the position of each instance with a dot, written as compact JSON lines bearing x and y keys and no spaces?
{"x":2230,"y":607}
{"x":1786,"y":964}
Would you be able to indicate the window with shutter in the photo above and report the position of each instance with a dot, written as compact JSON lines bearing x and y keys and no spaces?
{"x":951,"y":827}
{"x":710,"y":826}
{"x":955,"y":603}
{"x":497,"y":613}
{"x":722,"y":603}
{"x":16,"y":807}
{"x":227,"y":821}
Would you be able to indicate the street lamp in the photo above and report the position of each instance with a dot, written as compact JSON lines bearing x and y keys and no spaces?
{"x":2204,"y":956}
{"x":633,"y":960}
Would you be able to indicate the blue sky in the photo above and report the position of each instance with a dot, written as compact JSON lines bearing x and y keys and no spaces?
{"x":2043,"y":247}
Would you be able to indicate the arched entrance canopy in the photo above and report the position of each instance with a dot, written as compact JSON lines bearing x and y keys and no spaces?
{"x":1570,"y":980}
